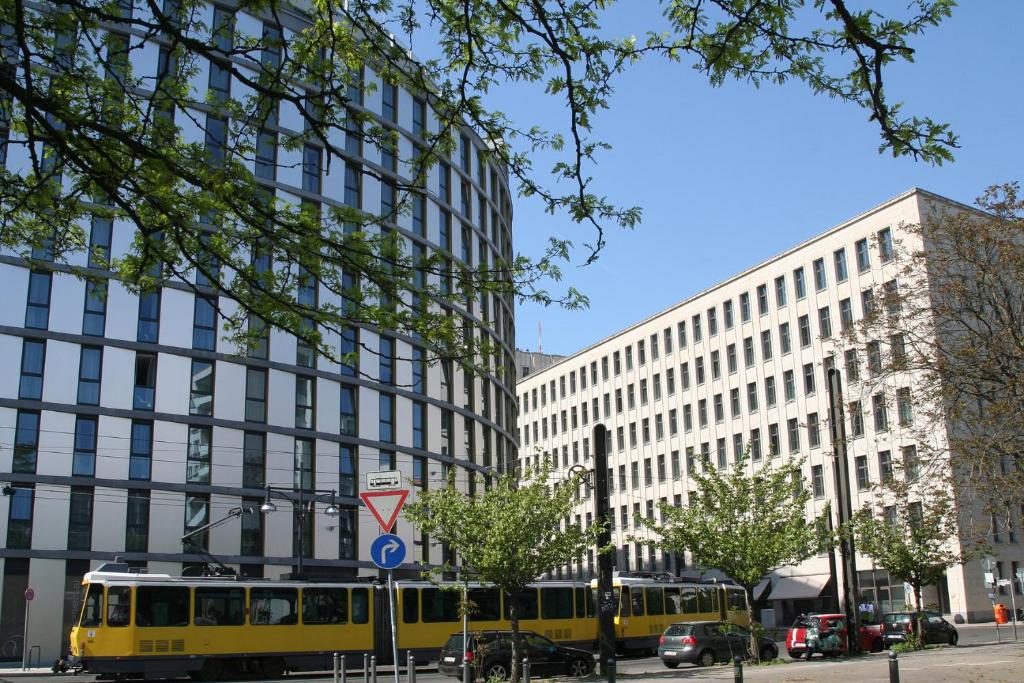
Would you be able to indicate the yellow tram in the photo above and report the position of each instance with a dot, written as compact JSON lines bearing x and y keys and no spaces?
{"x":156,"y":625}
{"x":648,"y":604}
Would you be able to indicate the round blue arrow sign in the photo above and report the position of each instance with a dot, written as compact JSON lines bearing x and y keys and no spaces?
{"x":388,"y":551}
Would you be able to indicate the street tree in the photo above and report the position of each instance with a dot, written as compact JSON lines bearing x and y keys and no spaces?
{"x":945,"y":347}
{"x":745,"y":521}
{"x":911,"y":532}
{"x":510,"y":535}
{"x":102,"y":114}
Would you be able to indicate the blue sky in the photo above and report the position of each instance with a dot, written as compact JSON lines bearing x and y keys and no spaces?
{"x":728,"y":177}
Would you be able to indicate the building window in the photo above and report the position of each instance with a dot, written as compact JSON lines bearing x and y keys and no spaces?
{"x":752,"y":397}
{"x":204,"y":324}
{"x":253,"y":460}
{"x":83,"y":462}
{"x":856,"y":419}
{"x":813,"y":430}
{"x":805,"y":331}
{"x":730,"y":358}
{"x":784,"y":342}
{"x":885,"y":467}
{"x":37,"y":309}
{"x":349,"y":423}
{"x":94,"y":318}
{"x":863,"y":256}
{"x":793,"y":435}
{"x":799,"y":283}
{"x":789,"y":385}
{"x":255,"y":395}
{"x":716,"y":368}
{"x":145,"y":381}
{"x":766,"y":345}
{"x":904,"y":407}
{"x":820,"y":280}
{"x":818,"y":481}
{"x":755,"y":444}
{"x":26,"y":442}
{"x":251,"y":543}
{"x":197,"y":468}
{"x":304,"y":465}
{"x":419,"y":425}
{"x":141,"y":458}
{"x":137,"y":522}
{"x":852,"y":367}
{"x":312,"y":159}
{"x":840,"y":262}
{"x":774,"y":445}
{"x":201,"y":392}
{"x":347,"y":474}
{"x":712,"y":321}
{"x":863,"y":478}
{"x":769,"y":391}
{"x":825,"y":322}
{"x":885,"y":249}
{"x":880,"y":412}
{"x":762,"y":299}
{"x":149,"y":317}
{"x":780,"y":291}
{"x":304,"y":397}
{"x":197,"y":514}
{"x":19,"y":520}
{"x":347,"y":533}
{"x":33,"y":361}
{"x":846,"y":314}
{"x":809,"y":379}
{"x":387,"y":418}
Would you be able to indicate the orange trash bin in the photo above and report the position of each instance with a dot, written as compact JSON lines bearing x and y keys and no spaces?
{"x":1002,"y":614}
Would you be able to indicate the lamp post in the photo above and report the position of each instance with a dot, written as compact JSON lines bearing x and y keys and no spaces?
{"x":303,"y":504}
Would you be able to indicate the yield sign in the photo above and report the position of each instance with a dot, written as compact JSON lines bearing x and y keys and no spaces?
{"x":385,"y":505}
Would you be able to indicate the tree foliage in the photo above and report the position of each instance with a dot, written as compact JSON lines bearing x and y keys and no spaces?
{"x":510,"y":535}
{"x":912,"y":533}
{"x":102,"y":100}
{"x":745,"y":522}
{"x":951,"y":329}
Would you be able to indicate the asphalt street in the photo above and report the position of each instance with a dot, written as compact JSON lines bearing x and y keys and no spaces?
{"x":979,"y":658}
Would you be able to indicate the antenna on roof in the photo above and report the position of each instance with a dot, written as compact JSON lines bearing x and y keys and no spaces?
{"x":540,"y":344}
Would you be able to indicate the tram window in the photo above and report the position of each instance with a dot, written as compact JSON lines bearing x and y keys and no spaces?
{"x":624,"y":610}
{"x":706,"y":600}
{"x":324,"y":606}
{"x":219,"y":607}
{"x":360,"y":606}
{"x":591,"y":601}
{"x":161,"y":606}
{"x":638,"y":601}
{"x":581,"y":603}
{"x":556,"y":603}
{"x":440,"y":605}
{"x":410,"y":605}
{"x":737,"y":600}
{"x":526,"y":604}
{"x":655,"y":601}
{"x":690,"y":601}
{"x":119,"y":605}
{"x":92,"y":606}
{"x":487,"y":603}
{"x":273,"y":606}
{"x":673,"y":603}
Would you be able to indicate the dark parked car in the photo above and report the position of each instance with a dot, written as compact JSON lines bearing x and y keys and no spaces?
{"x":490,"y":654}
{"x":705,"y":642}
{"x":896,"y":626}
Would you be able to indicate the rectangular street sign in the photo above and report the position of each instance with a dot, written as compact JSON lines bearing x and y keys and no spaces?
{"x":1003,"y":582}
{"x":383,"y":481}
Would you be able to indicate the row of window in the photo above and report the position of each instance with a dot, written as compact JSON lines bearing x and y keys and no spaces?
{"x":825,"y":329}
{"x":572,"y":419}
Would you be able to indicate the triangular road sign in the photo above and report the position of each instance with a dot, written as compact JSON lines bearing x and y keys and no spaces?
{"x":385,"y":505}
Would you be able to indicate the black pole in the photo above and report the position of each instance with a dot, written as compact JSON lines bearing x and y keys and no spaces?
{"x":605,"y":596}
{"x":844,"y":508}
{"x":894,"y":668}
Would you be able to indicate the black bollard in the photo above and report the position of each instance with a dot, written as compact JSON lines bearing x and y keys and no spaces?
{"x":410,"y":667}
{"x":373,"y":668}
{"x":737,"y":669}
{"x":894,"y":668}
{"x":337,"y":666}
{"x":366,"y":667}
{"x":342,"y":674}
{"x":526,"y":670}
{"x":609,"y":669}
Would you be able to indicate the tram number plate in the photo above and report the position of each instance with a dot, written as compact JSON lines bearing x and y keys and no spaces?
{"x":449,"y":659}
{"x":669,"y":653}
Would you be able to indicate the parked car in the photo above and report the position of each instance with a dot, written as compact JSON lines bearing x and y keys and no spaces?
{"x":490,"y":653}
{"x":896,"y":626}
{"x":826,"y":634}
{"x":705,"y":642}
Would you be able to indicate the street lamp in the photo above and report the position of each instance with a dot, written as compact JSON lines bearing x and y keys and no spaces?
{"x":303,"y":504}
